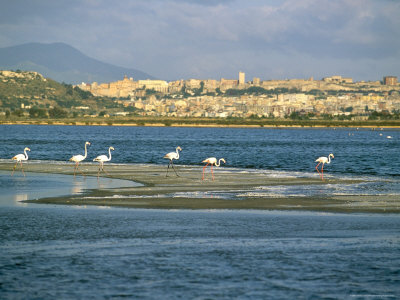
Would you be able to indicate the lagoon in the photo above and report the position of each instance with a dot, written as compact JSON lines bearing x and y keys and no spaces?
{"x":58,"y":251}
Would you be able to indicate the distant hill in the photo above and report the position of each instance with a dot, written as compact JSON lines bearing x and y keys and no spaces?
{"x":63,"y":63}
{"x":30,"y":89}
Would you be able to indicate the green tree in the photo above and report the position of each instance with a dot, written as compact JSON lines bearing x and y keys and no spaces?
{"x":349,"y":109}
{"x":18,"y":113}
{"x":68,"y":89}
{"x":58,"y":112}
{"x":36,"y":112}
{"x":201,"y":86}
{"x":150,"y":92}
{"x":295,"y":115}
{"x":82,"y":94}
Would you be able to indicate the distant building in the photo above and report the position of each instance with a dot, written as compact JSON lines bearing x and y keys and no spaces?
{"x":242,"y":77}
{"x":338,"y":79}
{"x":390,"y":80}
{"x":157,"y":85}
{"x":228,"y":83}
{"x":256,"y":81}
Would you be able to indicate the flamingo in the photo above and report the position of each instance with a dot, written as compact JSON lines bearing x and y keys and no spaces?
{"x":212,"y":161}
{"x":78,"y":158}
{"x":19,"y":158}
{"x":171,"y":156}
{"x":324,"y":160}
{"x":102,"y":158}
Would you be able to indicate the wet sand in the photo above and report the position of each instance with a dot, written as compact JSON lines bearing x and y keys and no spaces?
{"x":188,"y":191}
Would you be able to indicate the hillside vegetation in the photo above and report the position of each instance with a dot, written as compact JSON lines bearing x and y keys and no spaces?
{"x":30,"y":90}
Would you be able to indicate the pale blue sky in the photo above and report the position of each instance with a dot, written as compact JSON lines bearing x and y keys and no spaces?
{"x":182,"y":39}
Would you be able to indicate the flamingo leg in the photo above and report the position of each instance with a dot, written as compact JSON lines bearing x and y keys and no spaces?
{"x":166,"y":175}
{"x":172,"y":164}
{"x":77,"y":169}
{"x":102,"y":166}
{"x":316,"y":167}
{"x":202,"y":178}
{"x":322,"y":169}
{"x":22,"y":169}
{"x":14,"y":168}
{"x":212,"y":172}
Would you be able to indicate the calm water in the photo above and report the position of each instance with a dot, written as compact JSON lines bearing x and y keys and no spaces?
{"x":41,"y":185}
{"x":57,"y":252}
{"x":357,"y":152}
{"x":69,"y":253}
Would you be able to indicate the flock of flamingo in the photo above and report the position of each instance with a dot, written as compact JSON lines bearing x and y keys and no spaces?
{"x":101,"y":159}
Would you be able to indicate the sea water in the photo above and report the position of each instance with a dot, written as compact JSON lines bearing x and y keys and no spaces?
{"x":64,"y":252}
{"x":357,"y":152}
{"x":93,"y":253}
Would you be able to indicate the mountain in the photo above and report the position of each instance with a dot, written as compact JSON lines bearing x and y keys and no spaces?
{"x":63,"y":63}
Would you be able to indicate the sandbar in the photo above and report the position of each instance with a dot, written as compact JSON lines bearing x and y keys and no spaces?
{"x":232,"y":189}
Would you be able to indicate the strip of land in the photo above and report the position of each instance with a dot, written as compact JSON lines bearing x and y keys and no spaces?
{"x":205,"y":122}
{"x":231,"y":189}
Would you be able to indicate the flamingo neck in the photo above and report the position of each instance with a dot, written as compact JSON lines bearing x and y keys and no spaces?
{"x":26,"y":155}
{"x":85,"y":151}
{"x":218,"y":164}
{"x":109,"y":153}
{"x":329,"y":160}
{"x":177,"y":153}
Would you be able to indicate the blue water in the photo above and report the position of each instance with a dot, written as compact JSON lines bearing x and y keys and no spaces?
{"x":77,"y":253}
{"x":62,"y":252}
{"x":357,"y":152}
{"x":18,"y":188}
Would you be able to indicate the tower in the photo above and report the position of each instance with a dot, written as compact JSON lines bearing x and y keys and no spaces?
{"x":241,"y":78}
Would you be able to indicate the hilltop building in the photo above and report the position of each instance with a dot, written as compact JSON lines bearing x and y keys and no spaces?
{"x":242,"y":78}
{"x":335,"y":95}
{"x":390,"y":80}
{"x":338,"y":79}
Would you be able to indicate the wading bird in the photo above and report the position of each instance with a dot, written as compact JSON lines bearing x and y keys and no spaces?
{"x":19,"y":158}
{"x":101,"y":159}
{"x":171,"y":156}
{"x":324,"y":160}
{"x":78,"y":158}
{"x":212,"y":161}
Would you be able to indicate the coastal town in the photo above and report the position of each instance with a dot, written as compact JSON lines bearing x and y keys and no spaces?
{"x":29,"y":94}
{"x":330,"y":96}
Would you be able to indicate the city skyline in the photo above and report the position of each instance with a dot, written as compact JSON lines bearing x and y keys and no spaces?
{"x":178,"y":39}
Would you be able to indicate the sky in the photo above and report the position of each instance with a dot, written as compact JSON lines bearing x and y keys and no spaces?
{"x":214,"y":39}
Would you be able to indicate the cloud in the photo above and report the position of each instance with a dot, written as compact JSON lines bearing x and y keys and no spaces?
{"x":204,"y":38}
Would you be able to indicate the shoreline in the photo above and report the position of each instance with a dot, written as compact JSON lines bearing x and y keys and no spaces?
{"x":202,"y":123}
{"x":232,"y":189}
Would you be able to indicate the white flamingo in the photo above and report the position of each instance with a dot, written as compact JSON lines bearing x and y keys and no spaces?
{"x":19,"y":158}
{"x":103,"y":158}
{"x":78,"y":158}
{"x":171,"y":156}
{"x":212,"y":161}
{"x":324,"y":160}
